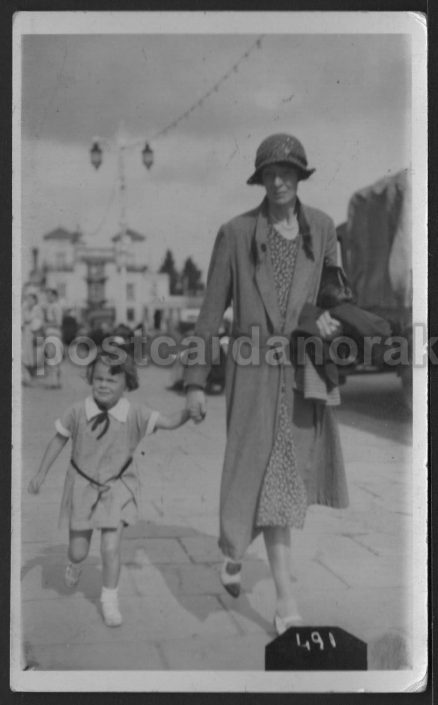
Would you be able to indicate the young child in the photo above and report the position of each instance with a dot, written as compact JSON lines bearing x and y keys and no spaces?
{"x":102,"y":484}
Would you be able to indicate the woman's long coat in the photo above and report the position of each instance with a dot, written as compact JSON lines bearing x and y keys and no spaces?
{"x":241,"y":273}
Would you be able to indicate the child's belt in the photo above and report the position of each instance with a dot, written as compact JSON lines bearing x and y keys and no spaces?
{"x":124,"y":467}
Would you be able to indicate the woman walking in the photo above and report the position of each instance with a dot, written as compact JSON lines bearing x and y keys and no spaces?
{"x":282,"y":452}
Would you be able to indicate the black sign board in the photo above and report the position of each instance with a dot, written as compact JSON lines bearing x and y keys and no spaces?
{"x":316,"y":649}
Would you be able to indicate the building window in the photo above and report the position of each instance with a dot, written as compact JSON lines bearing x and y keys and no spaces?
{"x":130,"y":314}
{"x":95,"y":292}
{"x":60,"y":259}
{"x":130,"y":292}
{"x":96,"y":270}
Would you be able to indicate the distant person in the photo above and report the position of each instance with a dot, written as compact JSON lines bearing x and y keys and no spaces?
{"x":283,"y":451}
{"x":69,"y":328}
{"x":140,"y":330}
{"x":53,"y":328}
{"x":101,"y":488}
{"x":32,"y":334}
{"x":100,"y":332}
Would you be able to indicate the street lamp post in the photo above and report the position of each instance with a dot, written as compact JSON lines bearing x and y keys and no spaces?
{"x":123,"y":244}
{"x":96,"y":157}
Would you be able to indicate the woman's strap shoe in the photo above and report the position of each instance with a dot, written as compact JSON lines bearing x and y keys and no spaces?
{"x":282,"y":624}
{"x":231,"y":574}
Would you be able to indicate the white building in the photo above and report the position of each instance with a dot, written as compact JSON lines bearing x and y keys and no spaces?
{"x":104,"y":283}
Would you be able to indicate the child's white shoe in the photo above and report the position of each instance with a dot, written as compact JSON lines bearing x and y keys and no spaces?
{"x":72,"y":575}
{"x":110,"y":607}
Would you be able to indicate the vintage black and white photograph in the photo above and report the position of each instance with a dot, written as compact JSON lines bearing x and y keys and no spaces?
{"x":220,"y":352}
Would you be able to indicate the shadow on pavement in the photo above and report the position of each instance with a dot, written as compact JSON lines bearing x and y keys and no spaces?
{"x":53,"y":559}
{"x":253,"y":572}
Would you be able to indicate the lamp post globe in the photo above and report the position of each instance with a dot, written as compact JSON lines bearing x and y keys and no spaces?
{"x":148,"y":156}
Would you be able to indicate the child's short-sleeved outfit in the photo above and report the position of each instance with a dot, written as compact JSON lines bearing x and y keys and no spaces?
{"x":100,"y":498}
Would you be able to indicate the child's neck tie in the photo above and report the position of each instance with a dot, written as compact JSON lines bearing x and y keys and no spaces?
{"x":102,"y":418}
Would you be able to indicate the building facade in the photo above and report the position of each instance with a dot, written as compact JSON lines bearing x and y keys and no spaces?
{"x":104,"y":284}
{"x":112,"y":284}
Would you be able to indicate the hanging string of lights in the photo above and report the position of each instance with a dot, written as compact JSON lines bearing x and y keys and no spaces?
{"x":147,"y":153}
{"x":214,"y":89}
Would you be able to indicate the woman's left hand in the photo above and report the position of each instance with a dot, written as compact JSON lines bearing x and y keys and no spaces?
{"x":329,"y":327}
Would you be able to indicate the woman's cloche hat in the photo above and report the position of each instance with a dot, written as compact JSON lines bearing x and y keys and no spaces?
{"x":280,"y":148}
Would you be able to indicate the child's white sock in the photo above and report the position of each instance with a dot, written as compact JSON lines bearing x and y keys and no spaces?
{"x":109,"y":594}
{"x":110,"y":607}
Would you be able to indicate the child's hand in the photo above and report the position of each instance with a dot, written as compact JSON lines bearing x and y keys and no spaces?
{"x":35,"y":484}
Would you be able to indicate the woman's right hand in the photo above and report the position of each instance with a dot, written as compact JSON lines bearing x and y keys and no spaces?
{"x":196,"y":404}
{"x":328,"y":327}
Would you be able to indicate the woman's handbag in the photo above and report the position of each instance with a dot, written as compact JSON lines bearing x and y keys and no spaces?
{"x":334,"y":288}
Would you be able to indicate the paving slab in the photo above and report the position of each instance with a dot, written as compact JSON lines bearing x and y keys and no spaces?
{"x":386,"y":544}
{"x":181,"y":579}
{"x":64,"y":621}
{"x":202,"y":549}
{"x":123,"y":656}
{"x":156,"y":528}
{"x":46,"y":580}
{"x":242,"y":652}
{"x":358,"y":567}
{"x":162,"y":550}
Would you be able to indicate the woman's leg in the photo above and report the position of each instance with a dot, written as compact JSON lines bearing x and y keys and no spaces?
{"x":277,"y":541}
{"x":110,"y":551}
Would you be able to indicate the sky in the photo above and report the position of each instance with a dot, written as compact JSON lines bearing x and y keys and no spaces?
{"x":347,"y":97}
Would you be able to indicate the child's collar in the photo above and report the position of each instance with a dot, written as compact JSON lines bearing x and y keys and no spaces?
{"x":119,"y":411}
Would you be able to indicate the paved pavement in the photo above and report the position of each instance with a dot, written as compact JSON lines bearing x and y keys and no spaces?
{"x":351,"y":568}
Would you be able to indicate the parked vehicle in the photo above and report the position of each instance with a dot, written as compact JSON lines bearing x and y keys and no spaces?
{"x":216,"y":379}
{"x":375,"y":249}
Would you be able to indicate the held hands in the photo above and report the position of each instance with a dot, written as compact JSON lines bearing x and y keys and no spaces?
{"x":329,"y":327}
{"x":196,"y":404}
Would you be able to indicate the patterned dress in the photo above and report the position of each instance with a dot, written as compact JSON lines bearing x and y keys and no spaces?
{"x":283,"y":499}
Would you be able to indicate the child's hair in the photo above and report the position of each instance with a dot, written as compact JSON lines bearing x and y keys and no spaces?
{"x":125,"y":365}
